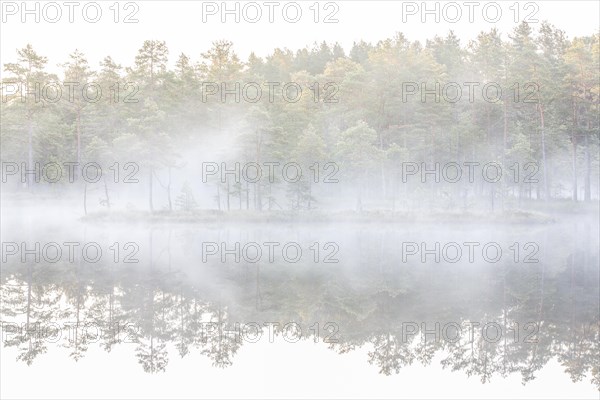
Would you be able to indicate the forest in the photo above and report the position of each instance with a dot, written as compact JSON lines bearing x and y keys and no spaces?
{"x":376,"y":160}
{"x":364,"y":128}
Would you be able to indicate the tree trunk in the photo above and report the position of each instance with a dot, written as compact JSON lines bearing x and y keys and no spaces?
{"x":85,"y":198}
{"x":258,"y":196}
{"x":588,"y":167}
{"x":544,"y":165}
{"x":574,"y":143}
{"x":29,"y":149}
{"x":169,"y":191}
{"x":228,"y":194}
{"x":79,"y":136}
{"x":150,"y":189}
{"x":247,"y":195}
{"x":505,"y":134}
{"x":106,"y":194}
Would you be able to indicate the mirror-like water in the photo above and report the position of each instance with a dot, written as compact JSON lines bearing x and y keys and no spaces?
{"x":506,"y":304}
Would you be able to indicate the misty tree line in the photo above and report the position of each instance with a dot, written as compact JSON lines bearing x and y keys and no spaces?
{"x":364,"y":122}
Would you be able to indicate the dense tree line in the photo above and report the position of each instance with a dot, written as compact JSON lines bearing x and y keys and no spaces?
{"x":370,"y":112}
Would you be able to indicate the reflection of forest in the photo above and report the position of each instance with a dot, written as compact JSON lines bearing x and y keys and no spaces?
{"x":369,"y":296}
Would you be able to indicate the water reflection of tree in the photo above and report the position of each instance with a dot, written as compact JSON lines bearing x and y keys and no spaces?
{"x":368,"y":298}
{"x":31,"y":305}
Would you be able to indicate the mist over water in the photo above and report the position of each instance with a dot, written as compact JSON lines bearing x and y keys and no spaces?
{"x":353,"y":232}
{"x":382,"y":289}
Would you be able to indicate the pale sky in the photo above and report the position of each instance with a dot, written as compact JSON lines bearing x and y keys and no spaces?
{"x":180,"y":24}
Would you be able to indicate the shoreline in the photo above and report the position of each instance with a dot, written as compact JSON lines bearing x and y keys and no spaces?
{"x":513,"y":217}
